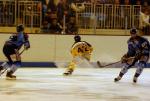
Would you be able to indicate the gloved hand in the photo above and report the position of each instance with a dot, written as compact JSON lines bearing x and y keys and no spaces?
{"x":124,"y":58}
{"x":26,"y":46}
{"x":138,"y":55}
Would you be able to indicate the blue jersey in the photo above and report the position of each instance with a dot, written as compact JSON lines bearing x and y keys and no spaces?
{"x":18,"y":40}
{"x":138,"y":45}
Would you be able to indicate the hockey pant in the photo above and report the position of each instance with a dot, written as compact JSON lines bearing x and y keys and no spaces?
{"x":77,"y":60}
{"x":140,"y":66}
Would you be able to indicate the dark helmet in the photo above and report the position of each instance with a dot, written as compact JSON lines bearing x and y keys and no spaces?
{"x":77,"y":38}
{"x":20,"y":28}
{"x":133,"y":31}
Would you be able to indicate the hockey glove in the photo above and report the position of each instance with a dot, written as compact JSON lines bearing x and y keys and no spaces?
{"x":138,"y":55}
{"x":124,"y":59}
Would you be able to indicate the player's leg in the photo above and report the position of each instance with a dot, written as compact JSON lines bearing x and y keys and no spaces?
{"x":14,"y":58}
{"x":12,"y":70}
{"x":122,"y":72}
{"x":70,"y":68}
{"x":7,"y":51}
{"x":16,"y":62}
{"x":141,"y":65}
{"x":87,"y":56}
{"x":77,"y":60}
{"x":129,"y":63}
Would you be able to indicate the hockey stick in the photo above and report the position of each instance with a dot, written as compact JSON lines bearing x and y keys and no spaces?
{"x":1,"y":73}
{"x":99,"y":64}
{"x":22,"y":51}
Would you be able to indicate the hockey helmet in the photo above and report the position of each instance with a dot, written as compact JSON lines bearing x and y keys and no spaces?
{"x":20,"y":28}
{"x":77,"y":38}
{"x":133,"y":31}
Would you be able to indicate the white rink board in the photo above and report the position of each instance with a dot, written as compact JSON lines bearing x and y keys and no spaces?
{"x":84,"y":85}
{"x":46,"y":48}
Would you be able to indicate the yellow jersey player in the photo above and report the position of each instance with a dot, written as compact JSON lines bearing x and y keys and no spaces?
{"x":79,"y":50}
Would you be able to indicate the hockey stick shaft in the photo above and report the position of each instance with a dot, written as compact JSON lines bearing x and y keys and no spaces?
{"x":99,"y":64}
{"x":22,"y":51}
{"x":3,"y":71}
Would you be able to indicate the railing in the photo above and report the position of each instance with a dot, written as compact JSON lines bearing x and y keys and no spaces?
{"x":13,"y":12}
{"x":7,"y":12}
{"x":108,"y":16}
{"x":95,"y":16}
{"x":29,"y":13}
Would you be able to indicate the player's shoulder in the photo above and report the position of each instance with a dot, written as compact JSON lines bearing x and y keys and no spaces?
{"x":144,"y":38}
{"x":13,"y":37}
{"x":130,"y":39}
{"x":77,"y":43}
{"x":87,"y":43}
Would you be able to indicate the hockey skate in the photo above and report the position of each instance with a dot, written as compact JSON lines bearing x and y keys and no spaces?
{"x":135,"y":79}
{"x":117,"y":79}
{"x":9,"y":76}
{"x":68,"y":72}
{"x":1,"y":68}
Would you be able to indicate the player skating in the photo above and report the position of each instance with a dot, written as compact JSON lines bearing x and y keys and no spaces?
{"x":79,"y":50}
{"x":138,"y":51}
{"x":11,"y":51}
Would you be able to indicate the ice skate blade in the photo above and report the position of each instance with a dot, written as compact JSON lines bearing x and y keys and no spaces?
{"x":8,"y":78}
{"x":66,"y":74}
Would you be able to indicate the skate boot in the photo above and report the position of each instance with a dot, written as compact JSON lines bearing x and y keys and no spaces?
{"x":68,"y":72}
{"x":135,"y":79}
{"x":9,"y":76}
{"x":1,"y":68}
{"x":117,"y":79}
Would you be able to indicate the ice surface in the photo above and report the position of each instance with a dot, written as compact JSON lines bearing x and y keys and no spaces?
{"x":86,"y":84}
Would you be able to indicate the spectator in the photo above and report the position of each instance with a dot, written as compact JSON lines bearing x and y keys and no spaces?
{"x":133,"y":2}
{"x":62,"y":9}
{"x":55,"y":27}
{"x":144,"y":22}
{"x":138,"y":2}
{"x":71,"y":26}
{"x":45,"y":28}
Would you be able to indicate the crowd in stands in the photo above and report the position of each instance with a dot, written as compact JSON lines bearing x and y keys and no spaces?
{"x":55,"y":10}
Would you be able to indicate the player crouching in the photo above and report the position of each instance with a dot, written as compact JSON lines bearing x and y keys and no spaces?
{"x":11,"y":51}
{"x":79,"y":50}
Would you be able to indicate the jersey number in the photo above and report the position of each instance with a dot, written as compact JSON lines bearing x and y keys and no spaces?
{"x":82,"y":49}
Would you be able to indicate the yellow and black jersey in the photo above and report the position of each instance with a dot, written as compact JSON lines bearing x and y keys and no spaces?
{"x":80,"y":48}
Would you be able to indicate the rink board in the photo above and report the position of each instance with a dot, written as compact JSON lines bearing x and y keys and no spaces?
{"x":47,"y":50}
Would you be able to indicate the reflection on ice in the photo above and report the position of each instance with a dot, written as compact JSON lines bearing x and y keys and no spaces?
{"x":86,"y":84}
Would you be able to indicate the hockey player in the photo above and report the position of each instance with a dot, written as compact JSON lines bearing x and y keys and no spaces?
{"x":80,"y":49}
{"x":11,"y":51}
{"x":138,"y":51}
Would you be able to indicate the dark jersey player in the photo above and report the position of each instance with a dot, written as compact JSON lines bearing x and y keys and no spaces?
{"x":138,"y":51}
{"x":11,"y":51}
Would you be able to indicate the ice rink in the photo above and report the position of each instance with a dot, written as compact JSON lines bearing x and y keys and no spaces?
{"x":86,"y":84}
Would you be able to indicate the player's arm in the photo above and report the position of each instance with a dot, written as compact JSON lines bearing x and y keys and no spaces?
{"x":130,"y":53}
{"x":89,"y":48}
{"x":145,"y":47}
{"x":26,"y":42}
